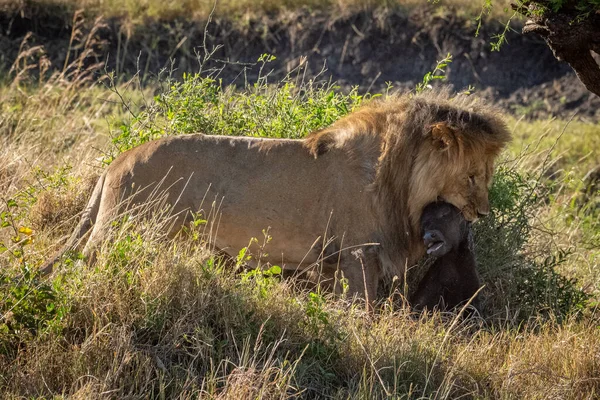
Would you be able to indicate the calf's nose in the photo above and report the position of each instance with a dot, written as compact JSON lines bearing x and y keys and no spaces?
{"x":430,"y":236}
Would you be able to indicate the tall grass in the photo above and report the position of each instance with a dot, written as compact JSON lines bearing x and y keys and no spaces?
{"x":169,"y":318}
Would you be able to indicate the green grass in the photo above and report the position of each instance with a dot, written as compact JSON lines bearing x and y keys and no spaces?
{"x":570,"y":220}
{"x":167,"y":318}
{"x":574,"y":143}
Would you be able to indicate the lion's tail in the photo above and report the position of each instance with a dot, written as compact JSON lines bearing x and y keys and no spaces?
{"x":88,"y":217}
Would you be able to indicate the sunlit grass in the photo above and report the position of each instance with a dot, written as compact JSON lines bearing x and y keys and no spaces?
{"x":574,"y":143}
{"x":167,"y":318}
{"x":138,"y":12}
{"x":571,"y":218}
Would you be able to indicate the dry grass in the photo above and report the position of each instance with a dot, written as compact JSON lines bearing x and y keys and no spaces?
{"x":159,"y":318}
{"x":170,"y":323}
{"x":570,"y":221}
{"x":168,"y":319}
{"x":138,"y":11}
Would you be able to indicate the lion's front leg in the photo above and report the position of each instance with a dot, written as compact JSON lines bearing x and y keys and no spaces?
{"x":362,"y":272}
{"x":356,"y":275}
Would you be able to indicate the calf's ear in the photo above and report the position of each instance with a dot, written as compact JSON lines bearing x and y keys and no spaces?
{"x":442,"y":136}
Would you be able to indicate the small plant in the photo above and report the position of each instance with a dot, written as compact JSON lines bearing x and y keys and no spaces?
{"x":196,"y":230}
{"x":262,"y":278}
{"x":12,"y":219}
{"x":29,"y":306}
{"x":486,"y":8}
{"x":436,"y":74}
{"x":500,"y":38}
{"x":316,"y":315}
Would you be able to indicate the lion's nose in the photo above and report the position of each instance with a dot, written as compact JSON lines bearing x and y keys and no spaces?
{"x":481,"y":214}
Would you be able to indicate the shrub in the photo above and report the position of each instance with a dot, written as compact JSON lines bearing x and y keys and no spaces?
{"x":527,"y":285}
{"x":29,"y":306}
{"x":291,"y":108}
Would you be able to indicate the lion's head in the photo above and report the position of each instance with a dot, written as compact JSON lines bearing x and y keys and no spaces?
{"x":420,"y":149}
{"x":454,"y":160}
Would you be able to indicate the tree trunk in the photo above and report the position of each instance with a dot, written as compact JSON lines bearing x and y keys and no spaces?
{"x":571,"y":33}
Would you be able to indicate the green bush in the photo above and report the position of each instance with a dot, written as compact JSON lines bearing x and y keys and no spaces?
{"x":29,"y":306}
{"x":291,"y":108}
{"x":527,"y":285}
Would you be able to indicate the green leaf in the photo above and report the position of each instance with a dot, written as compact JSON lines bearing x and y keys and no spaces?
{"x":199,"y":222}
{"x":26,"y":231}
{"x":274,"y":270}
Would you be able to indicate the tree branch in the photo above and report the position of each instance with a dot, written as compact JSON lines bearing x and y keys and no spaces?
{"x":570,"y":33}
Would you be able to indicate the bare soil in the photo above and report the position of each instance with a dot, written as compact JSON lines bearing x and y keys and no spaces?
{"x":367,"y":48}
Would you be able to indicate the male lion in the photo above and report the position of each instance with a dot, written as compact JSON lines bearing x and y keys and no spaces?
{"x":364,"y":180}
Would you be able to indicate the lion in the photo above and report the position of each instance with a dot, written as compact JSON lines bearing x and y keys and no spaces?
{"x":360,"y":184}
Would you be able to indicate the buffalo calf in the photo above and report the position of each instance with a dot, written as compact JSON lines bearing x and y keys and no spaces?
{"x":452,"y":279}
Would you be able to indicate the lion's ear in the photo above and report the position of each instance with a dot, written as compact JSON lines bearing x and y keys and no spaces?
{"x":442,"y":136}
{"x":320,"y":142}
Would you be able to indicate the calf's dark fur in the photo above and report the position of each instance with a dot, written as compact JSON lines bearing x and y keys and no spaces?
{"x":452,"y":279}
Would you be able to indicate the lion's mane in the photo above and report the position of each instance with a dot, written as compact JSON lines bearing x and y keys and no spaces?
{"x":393,"y":131}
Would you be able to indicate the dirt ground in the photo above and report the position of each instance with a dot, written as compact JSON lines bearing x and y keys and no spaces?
{"x":366,"y":48}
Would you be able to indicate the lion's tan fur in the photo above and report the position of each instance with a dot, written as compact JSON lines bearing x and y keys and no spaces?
{"x":363,"y":180}
{"x":410,"y":172}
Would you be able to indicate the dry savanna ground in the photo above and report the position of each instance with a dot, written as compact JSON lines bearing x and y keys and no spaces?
{"x":139,"y":11}
{"x":169,"y":319}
